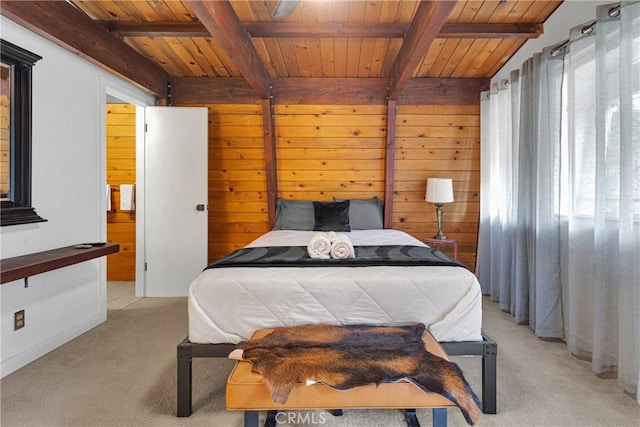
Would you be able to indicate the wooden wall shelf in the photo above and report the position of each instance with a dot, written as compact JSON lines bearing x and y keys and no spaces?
{"x":23,"y":266}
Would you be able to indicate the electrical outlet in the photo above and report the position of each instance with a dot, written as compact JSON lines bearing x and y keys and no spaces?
{"x":18,"y":320}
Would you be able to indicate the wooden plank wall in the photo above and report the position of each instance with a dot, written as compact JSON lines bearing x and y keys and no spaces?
{"x":324,"y":151}
{"x":338,"y":150}
{"x":237,"y":185}
{"x":439,"y":141}
{"x":121,"y":169}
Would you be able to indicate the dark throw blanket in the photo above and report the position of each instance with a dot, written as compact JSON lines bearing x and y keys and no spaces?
{"x":343,"y":357}
{"x":366,"y":256}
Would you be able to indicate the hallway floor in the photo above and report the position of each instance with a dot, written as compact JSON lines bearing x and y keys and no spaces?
{"x":120,"y":295}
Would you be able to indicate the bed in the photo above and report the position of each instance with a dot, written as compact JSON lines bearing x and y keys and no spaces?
{"x":228,"y":302}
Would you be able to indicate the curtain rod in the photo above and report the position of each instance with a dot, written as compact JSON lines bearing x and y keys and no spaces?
{"x":586,"y":30}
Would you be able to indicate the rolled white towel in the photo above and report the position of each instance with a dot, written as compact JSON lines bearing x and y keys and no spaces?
{"x":332,"y":236}
{"x":319,"y":247}
{"x":342,"y":248}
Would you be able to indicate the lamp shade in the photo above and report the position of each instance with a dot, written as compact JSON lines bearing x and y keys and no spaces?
{"x":439,"y":190}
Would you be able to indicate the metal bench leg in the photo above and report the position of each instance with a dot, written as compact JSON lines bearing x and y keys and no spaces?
{"x":251,"y":418}
{"x":411,"y":417}
{"x":184,"y":380}
{"x":439,"y":417}
{"x":270,"y":421}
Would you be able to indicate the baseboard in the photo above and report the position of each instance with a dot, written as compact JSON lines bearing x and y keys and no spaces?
{"x":38,"y":350}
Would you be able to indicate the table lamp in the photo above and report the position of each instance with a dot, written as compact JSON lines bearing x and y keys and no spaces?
{"x":439,"y":191}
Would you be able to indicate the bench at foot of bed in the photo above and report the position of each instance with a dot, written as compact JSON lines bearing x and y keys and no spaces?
{"x":187,"y":350}
{"x":248,"y":392}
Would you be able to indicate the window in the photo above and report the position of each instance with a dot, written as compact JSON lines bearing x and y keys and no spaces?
{"x":597,"y":154}
{"x":15,"y":135}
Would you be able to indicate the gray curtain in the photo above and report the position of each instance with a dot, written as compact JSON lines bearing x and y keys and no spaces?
{"x":559,"y":241}
{"x":521,"y":227}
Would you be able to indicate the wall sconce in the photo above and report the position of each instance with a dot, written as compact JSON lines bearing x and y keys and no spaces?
{"x":439,"y":191}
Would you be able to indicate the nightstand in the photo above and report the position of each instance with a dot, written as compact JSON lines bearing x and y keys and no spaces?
{"x":437,"y":243}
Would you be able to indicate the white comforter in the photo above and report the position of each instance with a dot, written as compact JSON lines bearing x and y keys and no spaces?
{"x":226,"y":305}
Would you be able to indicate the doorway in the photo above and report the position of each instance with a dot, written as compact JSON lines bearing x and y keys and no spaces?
{"x":116,"y":92}
{"x":166,"y":261}
{"x":121,"y":201}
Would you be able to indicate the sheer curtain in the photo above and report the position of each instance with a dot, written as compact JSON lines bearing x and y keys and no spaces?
{"x":559,"y":242}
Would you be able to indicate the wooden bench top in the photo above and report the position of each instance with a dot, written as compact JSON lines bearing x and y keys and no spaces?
{"x":248,"y":391}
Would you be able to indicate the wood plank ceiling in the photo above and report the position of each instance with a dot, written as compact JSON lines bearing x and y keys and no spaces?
{"x":321,"y":38}
{"x":385,"y":52}
{"x":324,"y":38}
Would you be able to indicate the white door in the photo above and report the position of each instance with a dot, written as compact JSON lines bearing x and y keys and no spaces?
{"x":175,"y":198}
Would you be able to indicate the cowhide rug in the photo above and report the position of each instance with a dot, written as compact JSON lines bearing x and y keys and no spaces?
{"x":349,"y":356}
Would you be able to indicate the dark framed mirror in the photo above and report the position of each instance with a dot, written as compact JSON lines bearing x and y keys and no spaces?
{"x":15,"y":135}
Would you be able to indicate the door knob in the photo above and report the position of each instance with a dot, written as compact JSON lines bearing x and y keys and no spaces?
{"x":200,"y":207}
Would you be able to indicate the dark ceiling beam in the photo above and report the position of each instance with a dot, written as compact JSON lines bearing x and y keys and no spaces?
{"x":329,"y":91}
{"x":290,"y":90}
{"x":69,"y":27}
{"x":425,"y":27}
{"x":212,"y":90}
{"x":490,"y":31}
{"x":322,"y":30}
{"x":156,"y":29}
{"x":325,"y":30}
{"x":223,"y":24}
{"x":389,"y":30}
{"x":443,"y":91}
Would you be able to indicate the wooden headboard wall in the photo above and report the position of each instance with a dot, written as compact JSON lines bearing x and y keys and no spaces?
{"x":330,"y":150}
{"x":339,"y":150}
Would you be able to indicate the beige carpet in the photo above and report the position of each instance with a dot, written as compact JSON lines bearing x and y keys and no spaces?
{"x":122,"y":373}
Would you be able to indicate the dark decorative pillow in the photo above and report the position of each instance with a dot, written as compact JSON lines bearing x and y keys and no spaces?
{"x":331,"y":216}
{"x":294,"y":215}
{"x":365,"y":214}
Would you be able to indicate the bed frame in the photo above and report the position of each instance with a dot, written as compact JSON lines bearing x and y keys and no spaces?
{"x":487,"y":348}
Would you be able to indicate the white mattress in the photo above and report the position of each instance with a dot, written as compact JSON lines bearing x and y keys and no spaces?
{"x":226,"y":305}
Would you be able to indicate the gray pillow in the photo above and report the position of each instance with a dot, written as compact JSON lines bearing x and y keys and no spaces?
{"x":365,"y":214}
{"x":294,"y":215}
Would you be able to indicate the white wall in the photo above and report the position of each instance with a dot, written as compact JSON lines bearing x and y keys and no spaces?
{"x":556,"y":29}
{"x":68,"y":170}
